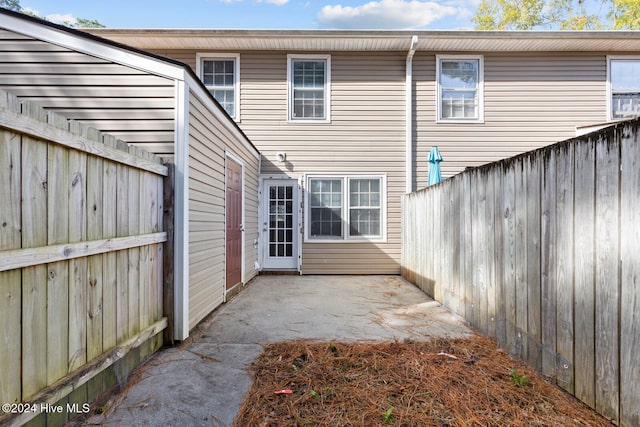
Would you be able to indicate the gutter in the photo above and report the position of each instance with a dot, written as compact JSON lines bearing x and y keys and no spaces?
{"x":409,"y":115}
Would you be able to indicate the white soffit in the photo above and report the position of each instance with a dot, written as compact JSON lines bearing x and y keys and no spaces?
{"x":340,"y":40}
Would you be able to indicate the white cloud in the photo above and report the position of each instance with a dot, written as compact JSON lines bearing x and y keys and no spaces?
{"x":58,"y":18}
{"x":276,"y":2}
{"x":385,"y":14}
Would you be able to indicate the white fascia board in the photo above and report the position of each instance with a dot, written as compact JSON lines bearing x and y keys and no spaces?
{"x":219,"y":114}
{"x":91,"y":47}
{"x":181,"y":214}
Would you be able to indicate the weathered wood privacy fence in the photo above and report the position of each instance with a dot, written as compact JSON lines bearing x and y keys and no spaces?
{"x":542,"y":252}
{"x":80,"y":258}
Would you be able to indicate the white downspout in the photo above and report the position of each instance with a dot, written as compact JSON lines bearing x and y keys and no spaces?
{"x":409,"y":115}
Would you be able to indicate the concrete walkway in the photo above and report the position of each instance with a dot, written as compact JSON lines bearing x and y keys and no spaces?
{"x":203,"y":382}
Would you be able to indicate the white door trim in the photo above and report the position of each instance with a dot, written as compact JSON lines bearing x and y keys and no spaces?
{"x":264,"y":221}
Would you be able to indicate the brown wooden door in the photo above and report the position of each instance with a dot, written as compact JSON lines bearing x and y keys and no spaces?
{"x":234,"y":223}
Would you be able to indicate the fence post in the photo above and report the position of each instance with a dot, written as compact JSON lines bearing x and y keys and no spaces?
{"x":167,"y":287}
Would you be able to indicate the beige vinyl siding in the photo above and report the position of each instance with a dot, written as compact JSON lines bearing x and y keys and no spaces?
{"x":530,"y":101}
{"x":208,"y":140}
{"x":366,"y":135}
{"x":185,"y":56}
{"x":130,"y":104}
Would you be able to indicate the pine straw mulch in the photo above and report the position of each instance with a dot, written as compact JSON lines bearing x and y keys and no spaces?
{"x":443,"y":382}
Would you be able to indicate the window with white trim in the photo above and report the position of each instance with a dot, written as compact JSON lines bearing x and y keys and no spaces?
{"x":345,"y":207}
{"x":460,"y":88}
{"x":220,"y":76}
{"x":624,"y":88}
{"x":309,"y":80}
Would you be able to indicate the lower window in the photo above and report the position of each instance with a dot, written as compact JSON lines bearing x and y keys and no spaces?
{"x":345,"y":207}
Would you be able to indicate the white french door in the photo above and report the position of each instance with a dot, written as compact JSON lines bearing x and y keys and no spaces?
{"x":281,"y":224}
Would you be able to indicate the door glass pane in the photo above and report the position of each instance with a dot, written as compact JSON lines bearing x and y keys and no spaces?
{"x":281,"y":233}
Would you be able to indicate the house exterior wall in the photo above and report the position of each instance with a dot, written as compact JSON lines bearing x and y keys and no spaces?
{"x":130,"y":104}
{"x":530,"y":100}
{"x":365,"y":136}
{"x":209,"y":141}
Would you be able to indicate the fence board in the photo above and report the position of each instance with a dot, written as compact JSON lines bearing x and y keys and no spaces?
{"x":57,"y":272}
{"x":490,"y":258}
{"x":10,"y":191}
{"x":34,"y":284}
{"x":95,"y":220}
{"x":468,"y":249}
{"x":565,"y":266}
{"x":607,"y":282}
{"x":548,"y":268}
{"x":509,"y":257}
{"x":122,"y":260}
{"x":474,"y":296}
{"x":109,"y":292}
{"x":584,"y":211}
{"x":445,"y":234}
{"x":10,"y":238}
{"x":435,"y":238}
{"x":78,"y":282}
{"x":458,"y":262}
{"x":147,"y":212}
{"x":521,"y":237}
{"x":499,"y":253}
{"x":534,"y":328}
{"x":426,"y":257}
{"x":481,"y":249}
{"x":133,"y":210}
{"x":630,"y":277}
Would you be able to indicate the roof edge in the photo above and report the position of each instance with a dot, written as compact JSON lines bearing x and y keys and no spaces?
{"x":184,"y":68}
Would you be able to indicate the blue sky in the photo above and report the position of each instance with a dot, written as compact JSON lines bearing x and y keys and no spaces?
{"x":267,"y":14}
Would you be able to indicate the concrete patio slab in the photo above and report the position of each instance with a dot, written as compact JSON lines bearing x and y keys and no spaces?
{"x":203,"y":382}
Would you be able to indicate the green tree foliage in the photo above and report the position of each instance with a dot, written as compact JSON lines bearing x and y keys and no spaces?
{"x":509,"y":15}
{"x":11,"y":5}
{"x":79,"y":22}
{"x":557,"y":15}
{"x":625,"y":14}
{"x":85,"y":23}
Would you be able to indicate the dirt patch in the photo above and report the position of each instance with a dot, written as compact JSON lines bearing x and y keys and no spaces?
{"x":443,"y":382}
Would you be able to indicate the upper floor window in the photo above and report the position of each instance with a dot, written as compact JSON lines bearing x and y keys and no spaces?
{"x":345,"y":207}
{"x":624,"y":88}
{"x":219,"y":73}
{"x":460,"y":84}
{"x":309,"y":86}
